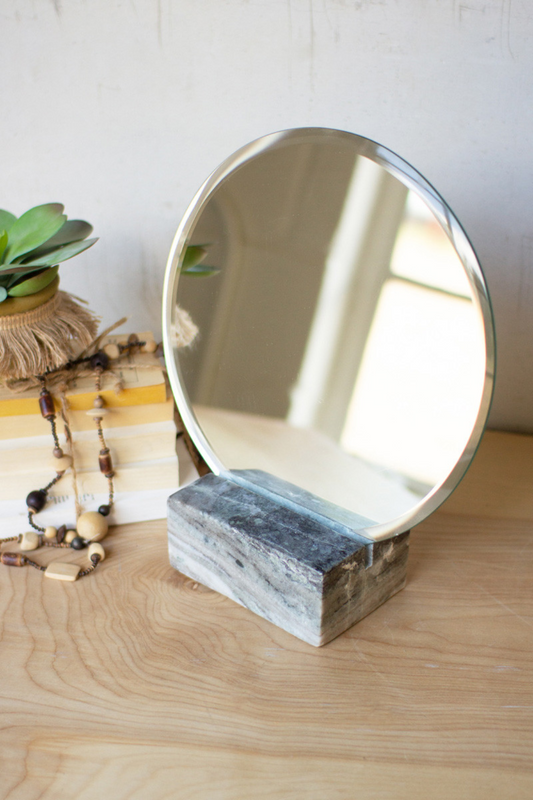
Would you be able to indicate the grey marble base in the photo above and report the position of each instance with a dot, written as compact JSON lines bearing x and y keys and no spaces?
{"x":294,"y":569}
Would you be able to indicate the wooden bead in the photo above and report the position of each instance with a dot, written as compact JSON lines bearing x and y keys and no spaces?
{"x":29,"y":541}
{"x":58,"y":453}
{"x":61,"y":571}
{"x":50,"y":532}
{"x":105,"y":463}
{"x":61,"y":464}
{"x":36,"y":500}
{"x":133,"y":339}
{"x":92,"y":526}
{"x":96,"y":548}
{"x":149,"y":347}
{"x":97,"y":412}
{"x":61,"y":533}
{"x":99,"y":361}
{"x":69,"y":536}
{"x":99,"y":401}
{"x":112,"y":350}
{"x":12,"y":559}
{"x":46,"y":404}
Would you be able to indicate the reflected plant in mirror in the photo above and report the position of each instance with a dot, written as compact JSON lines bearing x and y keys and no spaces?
{"x":182,"y":330}
{"x":347,"y":345}
{"x":193,"y":262}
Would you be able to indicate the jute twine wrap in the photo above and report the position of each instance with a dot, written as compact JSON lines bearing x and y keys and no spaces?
{"x":33,"y":342}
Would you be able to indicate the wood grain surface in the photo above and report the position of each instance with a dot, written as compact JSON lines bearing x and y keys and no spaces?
{"x":138,"y":683}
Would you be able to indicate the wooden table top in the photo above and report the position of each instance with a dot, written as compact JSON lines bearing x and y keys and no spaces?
{"x":138,"y":683}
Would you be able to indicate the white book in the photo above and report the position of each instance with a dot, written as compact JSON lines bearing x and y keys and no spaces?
{"x":141,"y":493}
{"x":128,"y":444}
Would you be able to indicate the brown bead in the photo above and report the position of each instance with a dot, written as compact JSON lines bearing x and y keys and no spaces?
{"x":133,"y":339}
{"x":61,"y":533}
{"x":13,"y":559}
{"x":106,"y":465}
{"x":46,"y":404}
{"x":99,"y":402}
{"x":99,"y":361}
{"x":58,"y":453}
{"x":36,"y":500}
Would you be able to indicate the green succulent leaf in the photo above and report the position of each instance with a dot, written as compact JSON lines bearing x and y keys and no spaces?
{"x":34,"y":228}
{"x":34,"y":284}
{"x":6,"y":220}
{"x":3,"y":293}
{"x":194,"y":254}
{"x":3,"y":243}
{"x":200,"y":270}
{"x":12,"y":269}
{"x":10,"y":280}
{"x":60,"y":254}
{"x":74,"y":230}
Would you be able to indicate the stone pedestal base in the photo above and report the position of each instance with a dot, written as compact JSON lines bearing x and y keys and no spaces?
{"x":293,"y":569}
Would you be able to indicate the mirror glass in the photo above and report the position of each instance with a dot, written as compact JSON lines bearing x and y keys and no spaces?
{"x":345,"y":335}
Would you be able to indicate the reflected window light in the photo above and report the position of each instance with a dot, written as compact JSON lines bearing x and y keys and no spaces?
{"x":423,"y":318}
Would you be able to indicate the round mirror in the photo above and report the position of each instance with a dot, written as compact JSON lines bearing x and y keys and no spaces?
{"x":345,"y":340}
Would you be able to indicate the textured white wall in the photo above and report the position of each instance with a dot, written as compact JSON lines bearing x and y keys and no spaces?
{"x":120,"y":109}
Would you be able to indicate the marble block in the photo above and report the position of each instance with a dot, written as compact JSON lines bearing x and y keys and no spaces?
{"x":340,"y":519}
{"x":293,"y":569}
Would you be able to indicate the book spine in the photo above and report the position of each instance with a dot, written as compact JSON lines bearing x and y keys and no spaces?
{"x":128,"y":507}
{"x":25,"y":425}
{"x":137,"y":477}
{"x":140,"y":375}
{"x":141,"y":492}
{"x":128,"y":446}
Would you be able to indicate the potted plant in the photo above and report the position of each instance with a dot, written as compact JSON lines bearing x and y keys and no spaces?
{"x":40,"y":326}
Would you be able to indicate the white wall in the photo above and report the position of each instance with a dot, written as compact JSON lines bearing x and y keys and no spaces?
{"x":120,"y":109}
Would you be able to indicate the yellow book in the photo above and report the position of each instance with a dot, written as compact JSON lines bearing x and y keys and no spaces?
{"x":26,"y":425}
{"x":141,"y":374}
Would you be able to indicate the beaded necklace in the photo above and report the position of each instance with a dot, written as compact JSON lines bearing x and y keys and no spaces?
{"x":91,"y":526}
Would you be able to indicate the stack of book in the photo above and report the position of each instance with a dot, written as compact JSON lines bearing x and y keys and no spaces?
{"x":140,"y":431}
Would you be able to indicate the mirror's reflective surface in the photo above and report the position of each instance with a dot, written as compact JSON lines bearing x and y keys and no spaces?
{"x":345,"y":342}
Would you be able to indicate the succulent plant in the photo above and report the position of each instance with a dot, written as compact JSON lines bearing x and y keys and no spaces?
{"x":32,"y":247}
{"x":192,"y":262}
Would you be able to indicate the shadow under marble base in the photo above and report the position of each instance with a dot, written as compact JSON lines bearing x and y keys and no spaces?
{"x":292,"y":569}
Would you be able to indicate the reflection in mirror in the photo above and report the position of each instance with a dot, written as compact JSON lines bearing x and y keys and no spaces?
{"x":341,"y":345}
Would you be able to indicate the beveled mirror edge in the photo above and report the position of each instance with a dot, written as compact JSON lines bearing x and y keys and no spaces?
{"x":410,"y":177}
